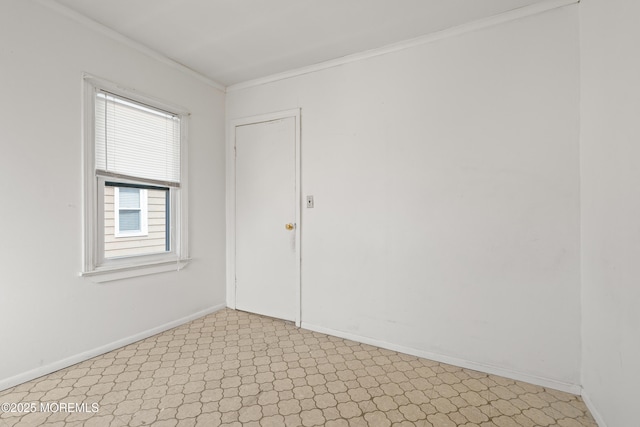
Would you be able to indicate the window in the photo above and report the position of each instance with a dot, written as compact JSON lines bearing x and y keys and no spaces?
{"x":130,"y":213}
{"x":137,"y":219}
{"x":134,"y":185}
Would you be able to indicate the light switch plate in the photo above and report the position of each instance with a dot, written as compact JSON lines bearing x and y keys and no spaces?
{"x":309,"y":201}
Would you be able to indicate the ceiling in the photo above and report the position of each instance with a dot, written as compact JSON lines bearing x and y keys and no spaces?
{"x":232,"y":41}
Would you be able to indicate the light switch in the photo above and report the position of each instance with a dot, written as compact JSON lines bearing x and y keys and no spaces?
{"x":309,"y":201}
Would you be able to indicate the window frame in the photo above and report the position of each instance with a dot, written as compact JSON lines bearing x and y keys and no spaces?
{"x":95,"y":265}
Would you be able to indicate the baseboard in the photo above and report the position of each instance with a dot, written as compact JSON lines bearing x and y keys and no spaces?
{"x":518,"y":376}
{"x":64,"y":363}
{"x":594,"y":411}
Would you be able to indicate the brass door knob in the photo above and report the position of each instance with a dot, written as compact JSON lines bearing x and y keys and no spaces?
{"x":289,"y":226}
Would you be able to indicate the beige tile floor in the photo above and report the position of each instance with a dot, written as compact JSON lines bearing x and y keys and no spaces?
{"x":234,"y":368}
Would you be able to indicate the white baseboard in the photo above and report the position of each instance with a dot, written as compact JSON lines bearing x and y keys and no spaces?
{"x":64,"y":363}
{"x":594,"y":412}
{"x":519,"y":376}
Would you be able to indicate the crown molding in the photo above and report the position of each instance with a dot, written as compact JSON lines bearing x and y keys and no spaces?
{"x":501,"y":18}
{"x":114,"y":35}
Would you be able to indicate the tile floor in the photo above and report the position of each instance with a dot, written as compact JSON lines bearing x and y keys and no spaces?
{"x":234,"y":368}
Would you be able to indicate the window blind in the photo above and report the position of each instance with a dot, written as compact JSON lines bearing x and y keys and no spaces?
{"x":129,"y":198}
{"x":136,"y":141}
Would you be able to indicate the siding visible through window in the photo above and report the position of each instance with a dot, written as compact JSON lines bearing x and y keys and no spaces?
{"x":130,"y":208}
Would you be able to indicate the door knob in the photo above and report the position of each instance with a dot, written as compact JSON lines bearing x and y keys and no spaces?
{"x":289,"y":226}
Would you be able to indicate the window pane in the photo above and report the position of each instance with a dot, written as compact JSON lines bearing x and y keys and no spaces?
{"x":129,"y":220}
{"x":154,"y":213}
{"x":129,"y":198}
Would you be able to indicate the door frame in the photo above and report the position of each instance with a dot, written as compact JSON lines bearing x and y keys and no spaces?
{"x":231,"y":200}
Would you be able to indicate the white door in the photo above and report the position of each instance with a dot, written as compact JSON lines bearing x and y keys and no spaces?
{"x":265,"y":224}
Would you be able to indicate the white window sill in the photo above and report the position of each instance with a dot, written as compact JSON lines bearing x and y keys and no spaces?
{"x":109,"y":274}
{"x":132,"y":234}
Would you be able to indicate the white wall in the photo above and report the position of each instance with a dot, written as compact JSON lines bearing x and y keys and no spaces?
{"x":48,"y":314}
{"x":446,"y":185}
{"x":611,"y":209}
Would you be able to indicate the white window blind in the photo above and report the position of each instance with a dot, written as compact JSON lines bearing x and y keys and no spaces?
{"x":133,"y":140}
